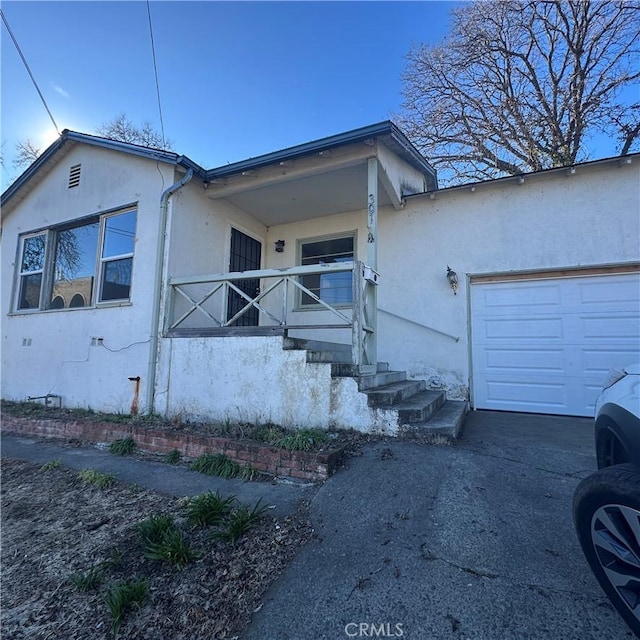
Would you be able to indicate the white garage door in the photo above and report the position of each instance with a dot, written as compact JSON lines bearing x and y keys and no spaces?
{"x":544,"y":346}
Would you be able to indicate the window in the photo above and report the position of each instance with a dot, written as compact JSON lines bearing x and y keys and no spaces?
{"x":31,"y":270}
{"x":332,"y":288}
{"x":90,"y":262}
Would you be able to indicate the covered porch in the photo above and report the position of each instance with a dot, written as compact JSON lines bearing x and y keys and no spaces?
{"x":294,"y":235}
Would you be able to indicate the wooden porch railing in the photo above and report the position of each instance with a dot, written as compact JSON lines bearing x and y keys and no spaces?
{"x":205,"y":298}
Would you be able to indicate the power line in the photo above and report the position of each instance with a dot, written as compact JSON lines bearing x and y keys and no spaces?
{"x":155,"y":70}
{"x":24,"y":60}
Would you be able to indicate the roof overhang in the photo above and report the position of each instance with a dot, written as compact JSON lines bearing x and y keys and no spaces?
{"x":56,"y":151}
{"x":324,"y":177}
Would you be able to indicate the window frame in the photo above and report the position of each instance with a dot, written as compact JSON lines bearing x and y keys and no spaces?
{"x":48,"y":271}
{"x":22,"y":241}
{"x":314,"y":306}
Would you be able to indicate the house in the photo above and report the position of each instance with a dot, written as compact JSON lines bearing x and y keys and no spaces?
{"x":315,"y":286}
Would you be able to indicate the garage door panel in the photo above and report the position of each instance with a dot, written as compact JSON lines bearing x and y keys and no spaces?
{"x":549,"y":351}
{"x":619,"y":291}
{"x":517,"y":359}
{"x":524,"y":299}
{"x":515,"y":394}
{"x":600,"y":360}
{"x":533,"y":327}
{"x":598,"y":327}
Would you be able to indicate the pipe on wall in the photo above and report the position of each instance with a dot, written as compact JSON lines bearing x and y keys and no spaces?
{"x":158,"y":285}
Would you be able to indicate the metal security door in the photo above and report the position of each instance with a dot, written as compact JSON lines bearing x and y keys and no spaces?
{"x":245,"y":255}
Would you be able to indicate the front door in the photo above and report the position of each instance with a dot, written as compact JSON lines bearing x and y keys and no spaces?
{"x":245,"y":255}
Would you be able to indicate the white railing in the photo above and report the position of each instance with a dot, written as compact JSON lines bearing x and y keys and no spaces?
{"x":200,"y":304}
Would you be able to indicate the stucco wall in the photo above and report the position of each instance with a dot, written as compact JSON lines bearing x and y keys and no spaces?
{"x":247,"y":379}
{"x":58,"y":357}
{"x":553,"y":220}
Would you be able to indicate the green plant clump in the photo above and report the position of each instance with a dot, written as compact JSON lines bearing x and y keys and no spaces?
{"x":173,"y":457}
{"x":219,"y":464}
{"x":100,"y":480}
{"x":242,"y":519}
{"x":208,"y":509}
{"x":302,"y":440}
{"x":123,"y":446}
{"x":162,"y":540}
{"x":122,"y":596}
{"x":52,"y":464}
{"x":87,"y":580}
{"x":172,"y":548}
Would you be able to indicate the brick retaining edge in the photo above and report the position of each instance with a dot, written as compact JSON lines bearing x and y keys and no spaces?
{"x":300,"y":465}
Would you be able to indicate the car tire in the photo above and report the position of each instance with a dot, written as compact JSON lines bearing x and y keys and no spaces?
{"x":606,"y":510}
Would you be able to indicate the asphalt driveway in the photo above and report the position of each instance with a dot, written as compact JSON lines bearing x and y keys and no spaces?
{"x":473,"y":541}
{"x":469,"y":542}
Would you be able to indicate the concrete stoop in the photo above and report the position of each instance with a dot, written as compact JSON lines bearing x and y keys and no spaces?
{"x":386,"y":402}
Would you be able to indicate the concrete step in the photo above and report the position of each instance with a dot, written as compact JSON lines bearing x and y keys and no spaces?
{"x":419,"y":408}
{"x":380,"y":379}
{"x":315,"y":345}
{"x":329,"y":357}
{"x":391,"y":394}
{"x":444,"y":427}
{"x":347,"y":370}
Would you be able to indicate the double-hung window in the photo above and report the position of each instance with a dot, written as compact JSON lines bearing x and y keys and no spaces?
{"x":78,"y":265}
{"x":31,"y":271}
{"x":332,"y":288}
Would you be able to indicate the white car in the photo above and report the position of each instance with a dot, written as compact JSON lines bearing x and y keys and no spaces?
{"x":606,"y":505}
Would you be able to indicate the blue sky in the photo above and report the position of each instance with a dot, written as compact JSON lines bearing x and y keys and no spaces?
{"x":237,"y":79}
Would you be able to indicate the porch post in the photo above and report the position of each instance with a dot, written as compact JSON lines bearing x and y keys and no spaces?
{"x":370,"y":302}
{"x":372,"y":214}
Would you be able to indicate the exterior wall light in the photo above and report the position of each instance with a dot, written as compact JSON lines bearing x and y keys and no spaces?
{"x":279,"y":246}
{"x":452,"y":277}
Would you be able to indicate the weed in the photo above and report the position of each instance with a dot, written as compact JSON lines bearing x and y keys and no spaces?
{"x":267,"y":433}
{"x":240,"y":522}
{"x":113,"y":560}
{"x":122,"y":596}
{"x":172,"y":548}
{"x":173,"y":457}
{"x":52,"y":464}
{"x":220,"y":465}
{"x":302,"y":440}
{"x":162,"y":540}
{"x":208,"y":508}
{"x":100,"y":480}
{"x":153,"y":528}
{"x":87,"y":580}
{"x":123,"y":446}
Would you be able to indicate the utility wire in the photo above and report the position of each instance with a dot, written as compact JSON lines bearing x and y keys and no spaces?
{"x":24,"y":60}
{"x":155,"y":70}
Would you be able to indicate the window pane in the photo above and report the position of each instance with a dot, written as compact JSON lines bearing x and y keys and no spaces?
{"x":326,"y":251}
{"x":333,"y":288}
{"x":33,"y":253}
{"x":116,"y":279}
{"x":30,"y":291}
{"x":119,"y":234}
{"x":75,"y":263}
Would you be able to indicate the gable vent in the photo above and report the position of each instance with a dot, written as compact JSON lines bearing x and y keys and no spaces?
{"x":74,"y":176}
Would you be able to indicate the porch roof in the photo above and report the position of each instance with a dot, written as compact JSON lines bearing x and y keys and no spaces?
{"x":385,"y":131}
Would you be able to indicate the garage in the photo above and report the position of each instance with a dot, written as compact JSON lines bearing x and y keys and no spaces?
{"x":542,"y":343}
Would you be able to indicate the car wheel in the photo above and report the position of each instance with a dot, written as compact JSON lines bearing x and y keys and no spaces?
{"x":606,"y":512}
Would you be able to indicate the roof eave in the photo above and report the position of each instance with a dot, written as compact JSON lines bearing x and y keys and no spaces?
{"x":167,"y":157}
{"x":378,"y":130}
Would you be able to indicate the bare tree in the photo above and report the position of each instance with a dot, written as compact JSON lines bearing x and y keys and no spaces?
{"x":122,"y":129}
{"x":522,"y":86}
{"x":27,"y":153}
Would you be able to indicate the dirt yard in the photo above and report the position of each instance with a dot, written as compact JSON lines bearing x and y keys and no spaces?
{"x":55,"y":525}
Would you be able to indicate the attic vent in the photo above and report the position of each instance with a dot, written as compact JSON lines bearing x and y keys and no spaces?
{"x":74,"y":176}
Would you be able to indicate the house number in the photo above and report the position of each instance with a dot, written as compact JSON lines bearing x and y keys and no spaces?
{"x":371,"y":209}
